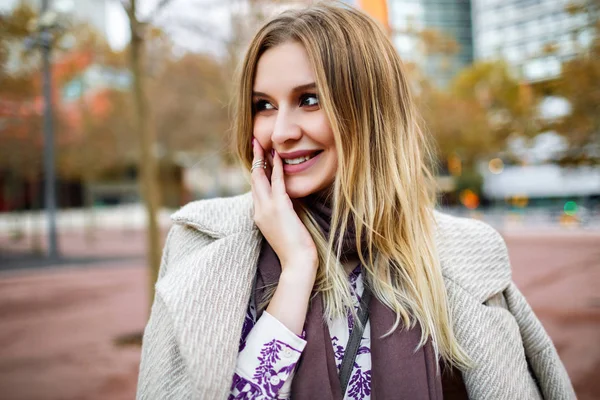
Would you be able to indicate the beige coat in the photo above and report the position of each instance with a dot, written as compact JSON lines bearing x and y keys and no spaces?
{"x":191,"y":340}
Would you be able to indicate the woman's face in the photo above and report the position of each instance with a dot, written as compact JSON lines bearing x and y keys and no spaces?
{"x":289,"y":119}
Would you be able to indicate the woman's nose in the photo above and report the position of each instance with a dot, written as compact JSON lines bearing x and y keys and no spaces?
{"x":285,"y":128}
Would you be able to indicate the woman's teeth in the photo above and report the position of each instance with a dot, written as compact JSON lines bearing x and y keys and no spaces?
{"x":299,"y":160}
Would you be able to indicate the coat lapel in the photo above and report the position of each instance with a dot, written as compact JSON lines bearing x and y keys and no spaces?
{"x":475,"y":267}
{"x":206,"y":290}
{"x":492,"y":338}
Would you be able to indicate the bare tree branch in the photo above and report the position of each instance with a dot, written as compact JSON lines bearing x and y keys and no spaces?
{"x":201,"y":29}
{"x":159,"y":7}
{"x":126,"y":5}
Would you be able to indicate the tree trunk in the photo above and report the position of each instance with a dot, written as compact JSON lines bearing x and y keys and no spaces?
{"x":147,"y":161}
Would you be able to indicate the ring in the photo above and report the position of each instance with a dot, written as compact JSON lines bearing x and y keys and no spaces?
{"x":260,"y":163}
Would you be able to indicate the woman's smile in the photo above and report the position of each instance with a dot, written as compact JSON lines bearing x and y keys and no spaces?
{"x":299,"y":161}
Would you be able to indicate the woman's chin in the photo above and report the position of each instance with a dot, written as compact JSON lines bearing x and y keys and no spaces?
{"x":299,"y":187}
{"x":299,"y":192}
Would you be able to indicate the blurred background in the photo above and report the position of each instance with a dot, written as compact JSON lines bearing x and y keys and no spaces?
{"x":115,"y":113}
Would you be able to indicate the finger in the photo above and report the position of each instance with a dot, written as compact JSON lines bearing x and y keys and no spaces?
{"x":269,"y":169}
{"x":261,"y":188}
{"x":277,"y":176}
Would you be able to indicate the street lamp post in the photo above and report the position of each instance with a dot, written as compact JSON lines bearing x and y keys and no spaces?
{"x":45,"y":28}
{"x":45,"y":42}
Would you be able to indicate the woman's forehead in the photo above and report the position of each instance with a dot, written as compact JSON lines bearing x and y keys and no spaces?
{"x":283,"y":68}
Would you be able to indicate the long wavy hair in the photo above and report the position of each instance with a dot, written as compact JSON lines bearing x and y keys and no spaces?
{"x":383,"y":182}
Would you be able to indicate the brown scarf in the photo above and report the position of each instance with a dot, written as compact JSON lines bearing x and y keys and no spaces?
{"x":397,"y":370}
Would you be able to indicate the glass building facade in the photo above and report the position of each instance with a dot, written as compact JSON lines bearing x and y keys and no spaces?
{"x":452,"y":18}
{"x":522,"y":31}
{"x":449,"y":18}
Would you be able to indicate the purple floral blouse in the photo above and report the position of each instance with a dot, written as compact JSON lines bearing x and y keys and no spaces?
{"x":269,"y":353}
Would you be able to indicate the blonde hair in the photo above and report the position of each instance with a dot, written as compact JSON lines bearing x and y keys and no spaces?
{"x":382,"y":183}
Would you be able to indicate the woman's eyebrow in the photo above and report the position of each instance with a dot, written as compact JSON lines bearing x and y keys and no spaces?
{"x":301,"y":88}
{"x":307,"y":86}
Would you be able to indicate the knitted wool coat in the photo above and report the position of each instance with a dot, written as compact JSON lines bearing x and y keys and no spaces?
{"x":190,"y":344}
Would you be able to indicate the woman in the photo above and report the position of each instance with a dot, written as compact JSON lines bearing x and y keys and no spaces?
{"x":335,"y":278}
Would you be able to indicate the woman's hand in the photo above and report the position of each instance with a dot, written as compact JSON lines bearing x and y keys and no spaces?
{"x":276,"y":218}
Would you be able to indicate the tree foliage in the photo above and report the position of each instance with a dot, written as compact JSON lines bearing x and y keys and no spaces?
{"x":487,"y":105}
{"x":85,"y":128}
{"x":189,"y":100}
{"x":478,"y":112}
{"x":579,"y":84}
{"x":459,"y":126}
{"x":509,"y":105}
{"x":20,"y":109}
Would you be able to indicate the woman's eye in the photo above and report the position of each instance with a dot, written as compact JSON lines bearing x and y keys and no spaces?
{"x":263,"y":105}
{"x":309,"y":100}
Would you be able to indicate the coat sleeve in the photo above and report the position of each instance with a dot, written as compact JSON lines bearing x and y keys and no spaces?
{"x":162,"y":374}
{"x":541,"y":354}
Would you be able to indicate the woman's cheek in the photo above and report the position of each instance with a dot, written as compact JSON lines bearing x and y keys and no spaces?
{"x":262,"y":132}
{"x":322,"y":129}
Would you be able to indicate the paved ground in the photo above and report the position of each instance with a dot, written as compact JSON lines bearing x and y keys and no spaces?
{"x":59,"y":325}
{"x":560,"y":276}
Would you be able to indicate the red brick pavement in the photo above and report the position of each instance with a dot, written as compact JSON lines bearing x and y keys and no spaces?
{"x":560,"y":276}
{"x":58,"y":325}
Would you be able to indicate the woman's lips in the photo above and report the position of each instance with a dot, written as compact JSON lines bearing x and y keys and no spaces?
{"x":297,"y":168}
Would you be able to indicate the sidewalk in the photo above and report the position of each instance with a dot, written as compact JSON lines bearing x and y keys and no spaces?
{"x":59,"y":324}
{"x":559,"y":276}
{"x":58,"y":332}
{"x":122,"y":217}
